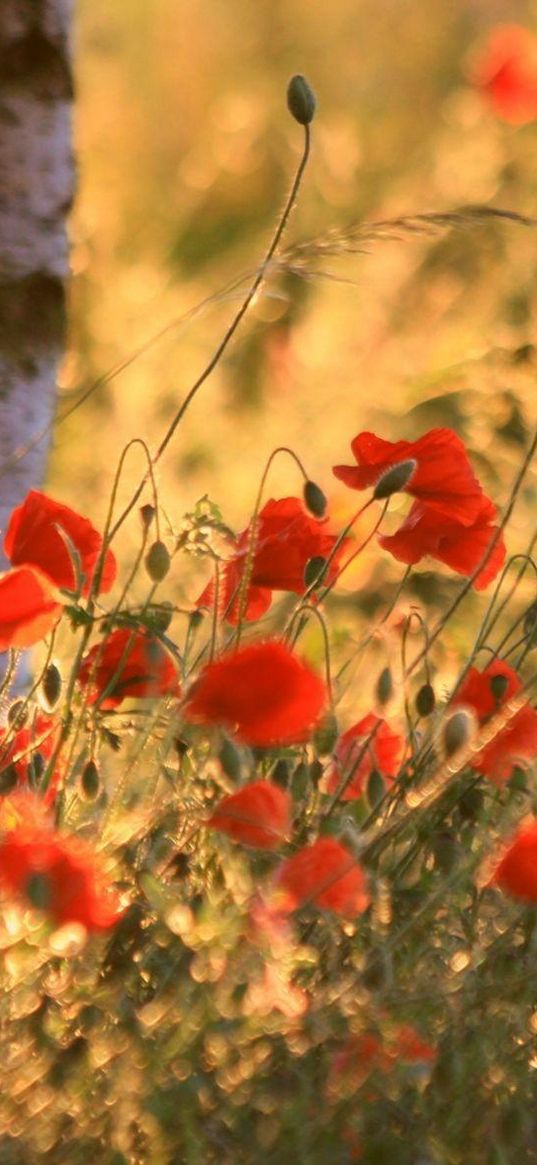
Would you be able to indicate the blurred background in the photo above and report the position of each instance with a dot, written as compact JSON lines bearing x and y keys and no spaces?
{"x":186,"y":152}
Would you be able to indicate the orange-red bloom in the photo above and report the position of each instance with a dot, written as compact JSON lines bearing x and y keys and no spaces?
{"x":286,"y":539}
{"x":425,"y":532}
{"x":34,"y":538}
{"x":18,"y":751}
{"x":443,"y":477}
{"x":516,"y":872}
{"x":263,"y":693}
{"x":57,"y":873}
{"x":383,"y":754}
{"x":259,"y":815}
{"x":360,"y":1055}
{"x":325,"y":874}
{"x":128,"y":663}
{"x":28,"y":608}
{"x":515,"y":743}
{"x":506,"y":71}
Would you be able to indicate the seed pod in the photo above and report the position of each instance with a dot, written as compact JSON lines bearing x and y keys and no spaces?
{"x":314,"y":499}
{"x":384,"y":689}
{"x":301,"y":100}
{"x":52,"y":684}
{"x":456,"y":732}
{"x":314,"y":571}
{"x":425,"y":700}
{"x":157,"y":561}
{"x":394,"y":479}
{"x":498,"y":686}
{"x":90,"y":783}
{"x":325,"y":735}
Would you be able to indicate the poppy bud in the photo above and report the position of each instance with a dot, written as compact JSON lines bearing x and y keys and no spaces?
{"x":301,"y":100}
{"x":456,"y":732}
{"x":36,"y":768}
{"x":325,"y":735}
{"x":230,"y":759}
{"x":425,"y":700}
{"x":160,"y":618}
{"x":280,"y":773}
{"x":90,"y":783}
{"x":157,"y":562}
{"x":394,"y":479}
{"x":376,"y":788}
{"x":314,"y":571}
{"x":384,"y":689}
{"x":38,"y":891}
{"x":8,"y":779}
{"x":17,"y":713}
{"x":147,"y":513}
{"x":314,"y":499}
{"x":498,"y":686}
{"x":52,"y":684}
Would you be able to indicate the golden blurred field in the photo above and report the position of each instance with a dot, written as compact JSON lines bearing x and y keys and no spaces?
{"x":186,"y":151}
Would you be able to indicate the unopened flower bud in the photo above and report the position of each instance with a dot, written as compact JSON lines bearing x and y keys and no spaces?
{"x":230,"y":759}
{"x":90,"y":783}
{"x":301,"y":100}
{"x":498,"y":686}
{"x":281,"y":773}
{"x":17,"y":713}
{"x":38,"y":890}
{"x":394,"y":479}
{"x":52,"y":684}
{"x":425,"y":700}
{"x":384,"y":689}
{"x":36,"y":768}
{"x":456,"y":732}
{"x":376,"y":788}
{"x":157,"y":561}
{"x":314,"y":499}
{"x":314,"y":571}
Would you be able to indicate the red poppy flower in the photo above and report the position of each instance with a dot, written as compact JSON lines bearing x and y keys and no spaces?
{"x":28,"y":609}
{"x":18,"y":751}
{"x":506,"y":71}
{"x":286,"y":539}
{"x":263,"y":693}
{"x":515,"y":743}
{"x":325,"y":874}
{"x":426,"y":532}
{"x":383,"y":754}
{"x":128,"y":663}
{"x":34,"y":538}
{"x":443,"y":477}
{"x":361,"y":1055}
{"x":57,"y":873}
{"x":258,"y":815}
{"x":516,"y":872}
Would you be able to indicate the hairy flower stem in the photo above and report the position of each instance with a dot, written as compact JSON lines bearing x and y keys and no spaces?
{"x":230,"y":332}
